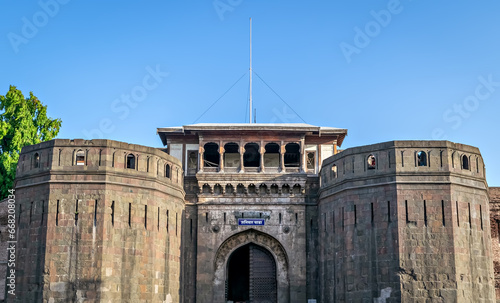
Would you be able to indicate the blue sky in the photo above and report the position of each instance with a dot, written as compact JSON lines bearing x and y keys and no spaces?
{"x":385,"y":70}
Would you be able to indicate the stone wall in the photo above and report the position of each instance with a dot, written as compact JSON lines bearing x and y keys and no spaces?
{"x":495,"y":234}
{"x":107,"y":230}
{"x":213,"y":231}
{"x":390,"y":228}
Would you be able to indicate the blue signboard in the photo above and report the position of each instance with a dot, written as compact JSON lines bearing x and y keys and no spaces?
{"x":251,"y":221}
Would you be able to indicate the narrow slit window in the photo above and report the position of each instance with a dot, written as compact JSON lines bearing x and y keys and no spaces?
{"x":388,"y":211}
{"x":176,"y":224}
{"x":129,"y":214}
{"x":481,"y":216}
{"x":167,"y":220}
{"x":372,"y":212}
{"x":31,"y":211}
{"x":458,"y":217}
{"x":145,"y":217}
{"x":191,"y":227}
{"x":113,"y":213}
{"x":76,"y":212}
{"x":333,"y":221}
{"x":425,"y":213}
{"x":355,"y":216}
{"x":342,"y":219}
{"x":43,"y":212}
{"x":406,"y":211}
{"x":95,"y":212}
{"x":470,"y":218}
{"x":279,"y":215}
{"x":224,"y":218}
{"x":296,"y":218}
{"x":158,"y":222}
{"x":324,"y":222}
{"x":57,"y":213}
{"x":442,"y":212}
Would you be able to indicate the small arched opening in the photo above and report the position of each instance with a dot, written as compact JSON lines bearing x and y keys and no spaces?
{"x":130,"y":161}
{"x":36,"y":160}
{"x":167,"y":171}
{"x":422,"y":158}
{"x":372,"y":162}
{"x":465,"y":162}
{"x":274,"y":189}
{"x":333,"y":172}
{"x":80,"y":157}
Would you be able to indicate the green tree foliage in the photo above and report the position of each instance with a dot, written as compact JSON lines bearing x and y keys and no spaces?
{"x":23,"y":121}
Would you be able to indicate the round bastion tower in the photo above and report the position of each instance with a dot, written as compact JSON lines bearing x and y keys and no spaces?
{"x":405,"y":221}
{"x":98,"y":220}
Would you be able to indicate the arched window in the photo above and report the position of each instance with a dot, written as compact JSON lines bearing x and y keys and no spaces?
{"x":292,"y":155}
{"x":130,"y":161}
{"x":211,"y":155}
{"x":465,"y":162}
{"x":167,"y":171}
{"x":231,"y":155}
{"x":251,"y":157}
{"x":372,"y":162}
{"x":80,"y":157}
{"x":36,"y":160}
{"x":421,"y":158}
{"x":272,"y":155}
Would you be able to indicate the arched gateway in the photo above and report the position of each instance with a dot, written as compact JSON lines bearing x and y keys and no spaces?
{"x":251,"y":266}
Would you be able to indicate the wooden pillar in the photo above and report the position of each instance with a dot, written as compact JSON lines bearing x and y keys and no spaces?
{"x":201,"y":159}
{"x":282,"y":157}
{"x":242,"y":151}
{"x":262,"y":151}
{"x":221,"y":159}
{"x":303,"y":162}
